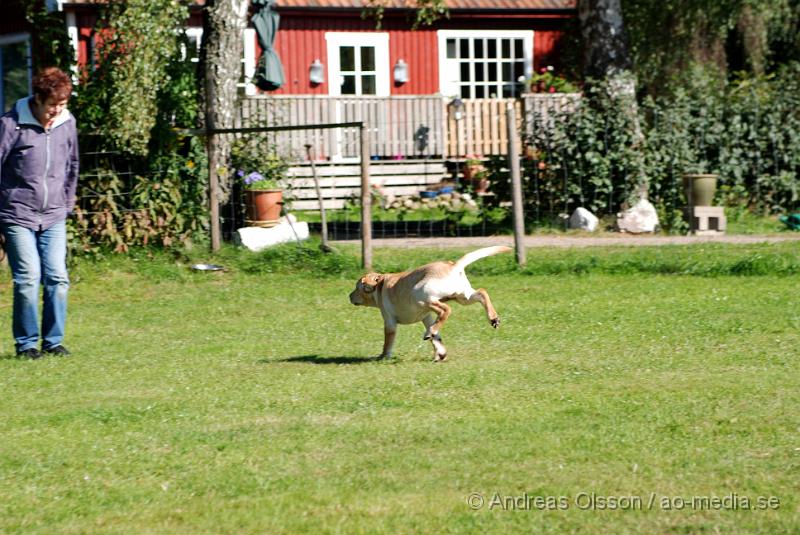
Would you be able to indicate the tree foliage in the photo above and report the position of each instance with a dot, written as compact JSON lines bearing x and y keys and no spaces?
{"x":667,"y":38}
{"x":426,"y":12}
{"x":50,"y":41}
{"x":141,"y":183}
{"x":137,"y":39}
{"x":747,"y":131}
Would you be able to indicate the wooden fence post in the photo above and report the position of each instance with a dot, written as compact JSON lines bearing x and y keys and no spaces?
{"x":366,"y":201}
{"x":213,"y":163}
{"x":516,"y":184}
{"x":213,"y":192}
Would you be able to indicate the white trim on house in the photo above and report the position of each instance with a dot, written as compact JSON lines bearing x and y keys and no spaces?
{"x":195,"y":34}
{"x":249,"y":61}
{"x":72,"y":32}
{"x":378,"y":40}
{"x":478,"y":81}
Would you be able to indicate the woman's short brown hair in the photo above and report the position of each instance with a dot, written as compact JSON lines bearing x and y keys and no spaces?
{"x":52,"y":82}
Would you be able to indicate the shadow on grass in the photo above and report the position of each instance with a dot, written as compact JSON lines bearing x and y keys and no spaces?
{"x":316,"y":359}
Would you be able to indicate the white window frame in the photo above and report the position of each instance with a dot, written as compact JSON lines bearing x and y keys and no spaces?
{"x":449,"y":69}
{"x":10,"y":39}
{"x":72,"y":32}
{"x":379,"y":40}
{"x":195,"y":33}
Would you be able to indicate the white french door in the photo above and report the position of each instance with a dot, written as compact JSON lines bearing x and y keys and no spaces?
{"x":358,"y":65}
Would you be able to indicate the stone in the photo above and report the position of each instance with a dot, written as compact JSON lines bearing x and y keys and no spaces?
{"x":583,"y":219}
{"x":638,"y":219}
{"x":258,"y":238}
{"x":707,"y":220}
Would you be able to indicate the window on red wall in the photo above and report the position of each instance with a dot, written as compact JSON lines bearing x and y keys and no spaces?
{"x":15,"y":71}
{"x":485,"y":64}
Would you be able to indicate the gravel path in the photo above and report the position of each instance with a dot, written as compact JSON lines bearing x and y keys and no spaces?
{"x":575,"y":241}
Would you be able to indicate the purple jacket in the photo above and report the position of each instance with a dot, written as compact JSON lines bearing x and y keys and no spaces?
{"x":38,"y":168}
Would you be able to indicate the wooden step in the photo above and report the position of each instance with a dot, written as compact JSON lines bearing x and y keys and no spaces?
{"x":340,"y":182}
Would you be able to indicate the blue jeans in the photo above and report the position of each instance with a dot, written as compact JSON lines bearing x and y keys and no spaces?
{"x":38,"y":256}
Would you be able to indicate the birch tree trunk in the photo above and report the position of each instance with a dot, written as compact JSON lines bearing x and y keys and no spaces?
{"x":607,"y":58}
{"x":224,"y":22}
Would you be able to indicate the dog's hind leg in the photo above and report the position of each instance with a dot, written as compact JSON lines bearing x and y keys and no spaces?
{"x":439,"y":351}
{"x":442,"y":312}
{"x":482,"y":296}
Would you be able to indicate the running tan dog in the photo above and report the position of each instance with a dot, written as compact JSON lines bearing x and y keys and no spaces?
{"x":421,"y":295}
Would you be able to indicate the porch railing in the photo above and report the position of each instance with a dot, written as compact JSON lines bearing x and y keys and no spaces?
{"x":541,"y":109}
{"x":481,"y":130}
{"x":401,"y":127}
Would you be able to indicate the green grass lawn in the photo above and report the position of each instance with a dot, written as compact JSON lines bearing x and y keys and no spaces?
{"x":248,"y":402}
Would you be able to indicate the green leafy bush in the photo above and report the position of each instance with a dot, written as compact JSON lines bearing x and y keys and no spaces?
{"x":746,"y":131}
{"x":141,"y":183}
{"x":256,"y":162}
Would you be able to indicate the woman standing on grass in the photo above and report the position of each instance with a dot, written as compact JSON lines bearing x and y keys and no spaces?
{"x":38,"y":178}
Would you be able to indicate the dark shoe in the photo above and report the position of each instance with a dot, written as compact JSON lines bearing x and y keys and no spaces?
{"x":31,"y":353}
{"x":59,"y":351}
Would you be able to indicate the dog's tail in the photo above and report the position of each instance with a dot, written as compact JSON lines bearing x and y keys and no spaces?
{"x":474,"y":256}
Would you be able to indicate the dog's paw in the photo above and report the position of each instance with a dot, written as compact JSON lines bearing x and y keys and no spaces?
{"x":431,"y":335}
{"x":440,"y":357}
{"x":495,"y":322}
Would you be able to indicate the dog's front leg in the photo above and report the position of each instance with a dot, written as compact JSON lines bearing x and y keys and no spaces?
{"x":389,"y":332}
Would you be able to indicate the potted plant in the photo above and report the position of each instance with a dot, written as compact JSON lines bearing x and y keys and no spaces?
{"x":699,"y":186}
{"x":263,"y":174}
{"x":475,"y":173}
{"x":548,"y":82}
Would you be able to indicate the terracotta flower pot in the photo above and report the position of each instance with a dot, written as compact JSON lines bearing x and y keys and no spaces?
{"x":479,"y":184}
{"x":263,"y":207}
{"x":475,"y":175}
{"x":700,"y":189}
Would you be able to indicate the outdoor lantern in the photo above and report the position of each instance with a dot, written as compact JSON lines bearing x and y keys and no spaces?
{"x":400,"y":72}
{"x":316,"y":73}
{"x":458,"y":108}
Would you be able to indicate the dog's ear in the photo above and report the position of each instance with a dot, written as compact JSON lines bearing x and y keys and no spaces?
{"x":370,"y":281}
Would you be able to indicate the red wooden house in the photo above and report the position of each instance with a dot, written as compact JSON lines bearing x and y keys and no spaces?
{"x":339,"y":67}
{"x":480,"y":51}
